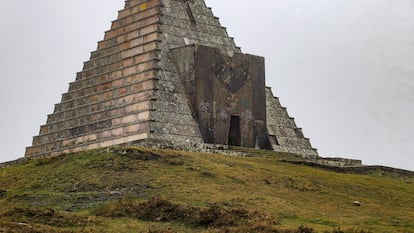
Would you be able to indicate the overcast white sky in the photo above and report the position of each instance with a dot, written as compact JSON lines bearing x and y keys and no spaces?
{"x":343,"y":68}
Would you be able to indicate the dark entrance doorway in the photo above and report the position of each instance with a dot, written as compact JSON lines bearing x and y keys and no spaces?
{"x":234,"y":131}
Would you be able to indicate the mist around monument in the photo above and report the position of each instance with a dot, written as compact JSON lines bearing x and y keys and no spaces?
{"x":386,"y":127}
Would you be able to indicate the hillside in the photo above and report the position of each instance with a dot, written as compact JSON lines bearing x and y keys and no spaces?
{"x":153,"y":190}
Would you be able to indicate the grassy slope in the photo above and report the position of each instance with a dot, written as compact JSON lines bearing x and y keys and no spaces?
{"x":74,"y":186}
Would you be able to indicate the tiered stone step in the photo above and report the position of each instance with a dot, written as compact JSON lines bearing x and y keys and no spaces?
{"x":129,"y":90}
{"x":284,"y":135}
{"x":173,"y":120}
{"x":111,"y":100}
{"x":179,"y":31}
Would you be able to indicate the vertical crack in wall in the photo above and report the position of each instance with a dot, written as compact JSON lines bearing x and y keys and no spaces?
{"x":187,"y":7}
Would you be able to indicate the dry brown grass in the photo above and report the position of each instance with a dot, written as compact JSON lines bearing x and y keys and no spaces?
{"x":200,"y":193}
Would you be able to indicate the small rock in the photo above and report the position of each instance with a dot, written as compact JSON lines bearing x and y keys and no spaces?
{"x":357,"y":203}
{"x":266,"y":181}
{"x":115,"y":193}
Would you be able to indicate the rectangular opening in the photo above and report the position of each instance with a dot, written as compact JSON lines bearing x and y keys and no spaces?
{"x":234,"y":138}
{"x":273,"y":140}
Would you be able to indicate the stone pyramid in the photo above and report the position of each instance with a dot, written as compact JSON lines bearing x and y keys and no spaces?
{"x":168,"y":74}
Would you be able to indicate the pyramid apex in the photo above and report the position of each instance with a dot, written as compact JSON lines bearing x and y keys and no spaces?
{"x":164,"y":74}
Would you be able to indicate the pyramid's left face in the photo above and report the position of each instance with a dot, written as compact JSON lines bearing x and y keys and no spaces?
{"x":130,"y":91}
{"x":110,"y":101}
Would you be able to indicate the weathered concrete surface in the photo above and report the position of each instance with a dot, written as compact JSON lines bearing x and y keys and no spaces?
{"x":226,"y":94}
{"x":131,"y":90}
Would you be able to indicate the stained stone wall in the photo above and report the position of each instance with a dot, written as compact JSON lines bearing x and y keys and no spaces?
{"x":178,"y":31}
{"x":284,"y":135}
{"x":111,"y":99}
{"x":220,"y":88}
{"x":130,"y":91}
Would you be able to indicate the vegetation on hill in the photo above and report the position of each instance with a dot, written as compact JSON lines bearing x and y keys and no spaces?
{"x":137,"y":189}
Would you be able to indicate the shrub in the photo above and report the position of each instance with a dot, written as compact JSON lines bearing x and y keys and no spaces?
{"x":45,"y":217}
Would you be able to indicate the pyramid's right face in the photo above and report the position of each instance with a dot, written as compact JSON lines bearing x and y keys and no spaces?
{"x":227,"y":95}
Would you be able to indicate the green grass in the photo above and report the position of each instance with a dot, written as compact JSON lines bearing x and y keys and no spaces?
{"x":72,"y":193}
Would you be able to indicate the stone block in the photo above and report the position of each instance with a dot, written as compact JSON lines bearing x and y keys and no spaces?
{"x":146,"y":85}
{"x":128,"y":62}
{"x":104,"y":135}
{"x":139,"y":127}
{"x":117,"y":132}
{"x":138,"y":107}
{"x":132,"y":52}
{"x":149,"y":29}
